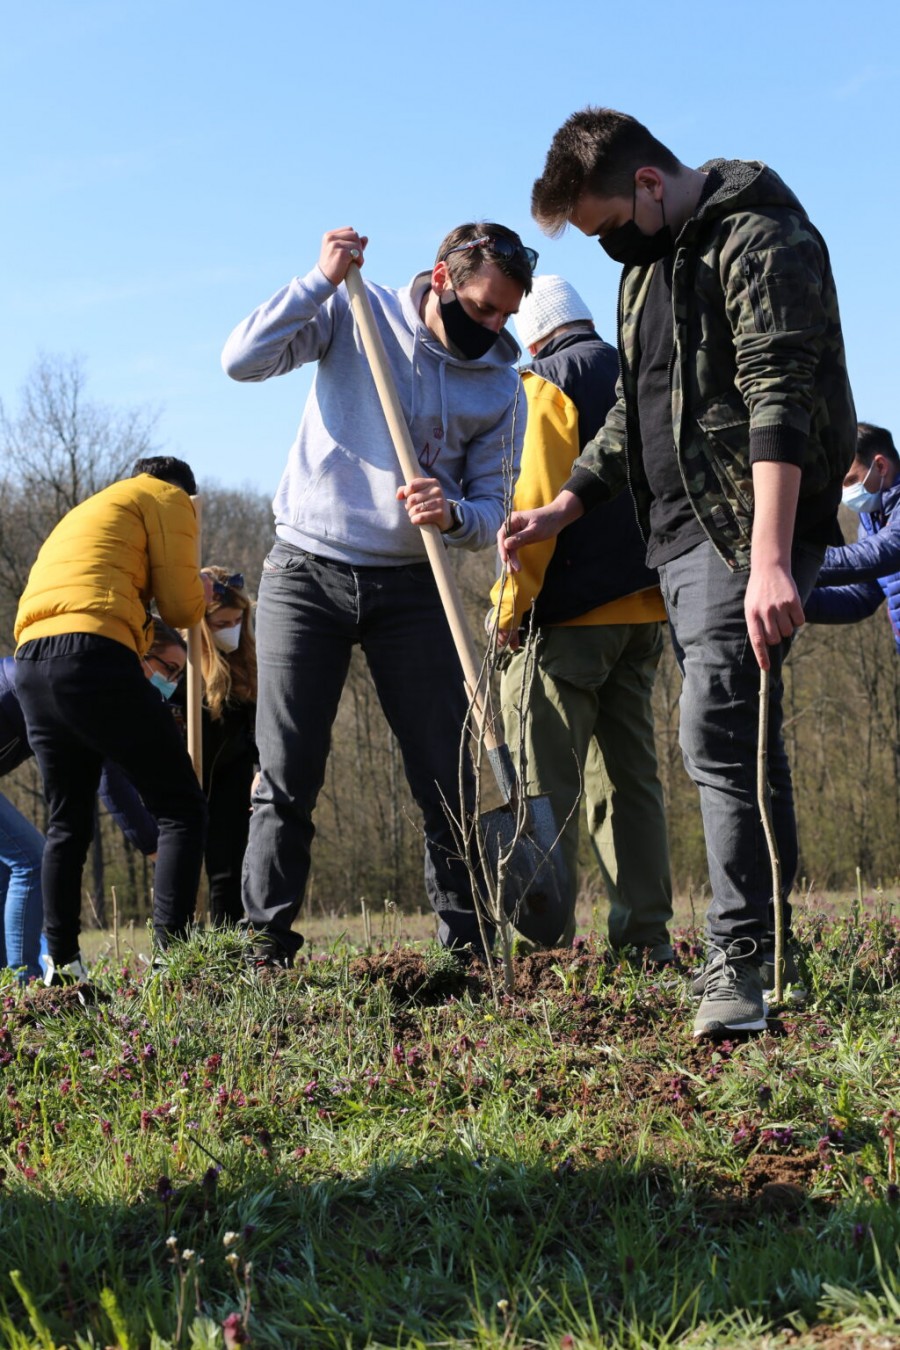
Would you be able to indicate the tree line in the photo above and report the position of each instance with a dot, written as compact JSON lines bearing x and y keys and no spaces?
{"x":842,"y":692}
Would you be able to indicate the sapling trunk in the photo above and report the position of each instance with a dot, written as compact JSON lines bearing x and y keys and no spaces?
{"x":764,"y":797}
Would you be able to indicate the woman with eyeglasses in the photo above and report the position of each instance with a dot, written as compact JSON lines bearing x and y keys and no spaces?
{"x":164,"y":667}
{"x":229,"y":750}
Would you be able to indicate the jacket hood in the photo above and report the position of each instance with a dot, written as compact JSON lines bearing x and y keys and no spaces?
{"x":742,"y":184}
{"x":565,"y":341}
{"x":504,"y":352}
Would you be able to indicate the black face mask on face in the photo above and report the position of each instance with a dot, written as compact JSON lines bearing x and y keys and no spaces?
{"x":628,"y":245}
{"x":470,"y":338}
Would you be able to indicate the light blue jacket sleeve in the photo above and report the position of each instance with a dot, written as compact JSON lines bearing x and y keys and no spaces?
{"x":291,"y":329}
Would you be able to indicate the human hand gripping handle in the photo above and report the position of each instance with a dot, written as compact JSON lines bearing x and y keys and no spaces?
{"x":426,"y":503}
{"x":340,"y":250}
{"x":411,"y":470}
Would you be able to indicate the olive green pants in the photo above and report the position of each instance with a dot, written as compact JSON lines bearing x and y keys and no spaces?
{"x":585,"y":728}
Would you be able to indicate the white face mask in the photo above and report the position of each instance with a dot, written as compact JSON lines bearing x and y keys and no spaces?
{"x":227,"y":639}
{"x":859,"y":498}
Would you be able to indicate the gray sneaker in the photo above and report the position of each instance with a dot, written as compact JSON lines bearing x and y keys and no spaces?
{"x":732,"y":995}
{"x":766,"y":974}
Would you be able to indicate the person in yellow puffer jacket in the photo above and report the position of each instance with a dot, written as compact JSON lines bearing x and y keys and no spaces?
{"x":578,"y":711}
{"x":83,"y":629}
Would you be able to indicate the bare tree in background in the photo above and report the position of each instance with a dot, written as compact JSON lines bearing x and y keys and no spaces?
{"x":238,"y":529}
{"x":57,"y":449}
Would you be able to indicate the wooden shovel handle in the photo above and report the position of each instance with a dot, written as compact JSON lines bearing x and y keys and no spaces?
{"x":195,"y":670}
{"x":410,"y":467}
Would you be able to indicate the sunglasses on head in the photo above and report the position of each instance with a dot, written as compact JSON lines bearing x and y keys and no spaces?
{"x":500,"y":248}
{"x":233,"y":583}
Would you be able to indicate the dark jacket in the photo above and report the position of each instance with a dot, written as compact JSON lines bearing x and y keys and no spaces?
{"x":856,"y":578}
{"x":14,"y":747}
{"x":758,"y":371}
{"x":601,"y":556}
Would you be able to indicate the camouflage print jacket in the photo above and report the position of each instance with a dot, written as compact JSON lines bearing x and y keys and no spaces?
{"x":758,"y":370}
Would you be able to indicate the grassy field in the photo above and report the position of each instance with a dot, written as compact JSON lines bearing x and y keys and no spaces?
{"x":379,"y":1149}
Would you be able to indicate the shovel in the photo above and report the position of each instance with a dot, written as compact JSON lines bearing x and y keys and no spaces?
{"x":520,"y":837}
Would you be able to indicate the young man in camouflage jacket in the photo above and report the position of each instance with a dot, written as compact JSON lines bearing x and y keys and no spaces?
{"x":734,"y":427}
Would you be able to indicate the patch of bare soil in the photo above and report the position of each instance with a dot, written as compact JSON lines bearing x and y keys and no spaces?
{"x":556,"y":973}
{"x":779,"y":1178}
{"x":823,"y":1337}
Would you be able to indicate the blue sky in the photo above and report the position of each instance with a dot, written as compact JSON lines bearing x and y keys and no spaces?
{"x":167,"y":166}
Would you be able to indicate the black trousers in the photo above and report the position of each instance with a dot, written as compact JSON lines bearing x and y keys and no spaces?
{"x":228,"y":793}
{"x":86,"y":700}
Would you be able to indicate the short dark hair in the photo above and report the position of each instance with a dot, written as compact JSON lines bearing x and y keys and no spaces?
{"x":169,"y":470}
{"x":872,"y":441}
{"x":463,"y":266}
{"x":597,"y":151}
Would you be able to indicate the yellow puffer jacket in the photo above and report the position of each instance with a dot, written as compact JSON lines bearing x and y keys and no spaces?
{"x":98,"y":570}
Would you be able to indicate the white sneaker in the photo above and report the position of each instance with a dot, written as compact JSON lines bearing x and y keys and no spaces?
{"x":74,"y":972}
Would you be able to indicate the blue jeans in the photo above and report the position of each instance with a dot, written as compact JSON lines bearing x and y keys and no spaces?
{"x":21,"y":849}
{"x":311,"y":613}
{"x":718,"y":734}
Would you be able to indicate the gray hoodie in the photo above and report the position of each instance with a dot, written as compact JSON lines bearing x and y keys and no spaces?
{"x":337,"y":496}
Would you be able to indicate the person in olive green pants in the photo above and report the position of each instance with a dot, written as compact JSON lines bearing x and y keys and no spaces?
{"x":578,"y":716}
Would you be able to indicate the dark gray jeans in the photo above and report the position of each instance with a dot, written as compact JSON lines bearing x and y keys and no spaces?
{"x":719,"y":726}
{"x":311,"y":613}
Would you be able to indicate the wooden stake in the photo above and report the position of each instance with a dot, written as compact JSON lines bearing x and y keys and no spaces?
{"x":195,"y":671}
{"x":115,"y":923}
{"x":764,"y":797}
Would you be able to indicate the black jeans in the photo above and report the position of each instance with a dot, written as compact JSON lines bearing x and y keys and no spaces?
{"x":86,"y":700}
{"x":311,"y":612}
{"x":228,"y":793}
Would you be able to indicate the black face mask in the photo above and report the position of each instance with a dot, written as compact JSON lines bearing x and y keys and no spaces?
{"x":628,"y":245}
{"x":471,"y":339}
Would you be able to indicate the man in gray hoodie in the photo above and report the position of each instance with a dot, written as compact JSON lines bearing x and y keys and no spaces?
{"x":348,"y":564}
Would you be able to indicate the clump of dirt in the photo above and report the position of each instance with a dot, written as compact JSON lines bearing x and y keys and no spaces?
{"x":556,"y":972}
{"x":548,"y":972}
{"x":410,"y":978}
{"x":825,"y":1337}
{"x":64,"y":999}
{"x":774,"y":1174}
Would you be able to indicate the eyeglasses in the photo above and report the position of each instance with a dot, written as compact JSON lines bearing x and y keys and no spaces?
{"x":233,"y":583}
{"x":500,"y":247}
{"x":170,"y":669}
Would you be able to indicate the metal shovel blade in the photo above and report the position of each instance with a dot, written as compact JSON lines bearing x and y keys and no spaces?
{"x":532,"y":868}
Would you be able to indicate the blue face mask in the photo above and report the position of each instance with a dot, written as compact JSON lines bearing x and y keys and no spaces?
{"x":166,"y":687}
{"x":858,"y":497}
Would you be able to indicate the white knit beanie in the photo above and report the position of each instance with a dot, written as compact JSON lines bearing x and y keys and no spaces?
{"x":552,"y":302}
